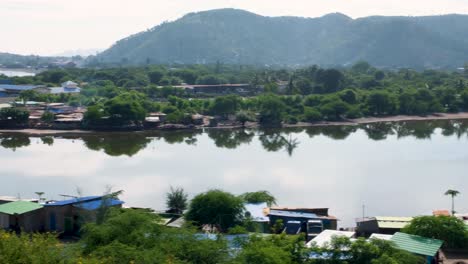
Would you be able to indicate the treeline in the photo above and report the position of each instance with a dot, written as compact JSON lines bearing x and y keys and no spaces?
{"x":284,"y":96}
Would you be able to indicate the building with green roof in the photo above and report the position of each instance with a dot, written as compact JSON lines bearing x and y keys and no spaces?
{"x":419,"y":245}
{"x":22,"y":215}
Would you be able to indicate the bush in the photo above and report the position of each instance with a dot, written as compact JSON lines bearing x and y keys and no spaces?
{"x":216,"y":208}
{"x":15,"y":115}
{"x":48,"y":117}
{"x":312,"y":114}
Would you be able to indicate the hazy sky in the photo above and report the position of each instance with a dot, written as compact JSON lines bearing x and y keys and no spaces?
{"x":48,"y":27}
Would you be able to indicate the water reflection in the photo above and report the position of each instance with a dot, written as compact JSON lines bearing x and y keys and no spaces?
{"x":272,"y":140}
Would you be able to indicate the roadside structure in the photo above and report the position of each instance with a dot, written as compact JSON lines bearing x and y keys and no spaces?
{"x":22,"y":216}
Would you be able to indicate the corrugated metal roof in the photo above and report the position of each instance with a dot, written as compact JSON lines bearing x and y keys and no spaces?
{"x":17,"y":87}
{"x":73,"y":201}
{"x":381,"y":236}
{"x":19,"y":207}
{"x":417,"y":244}
{"x":326,"y":237}
{"x":392,"y":221}
{"x":394,"y":218}
{"x":95,"y":204}
{"x":59,"y":90}
{"x":292,"y":214}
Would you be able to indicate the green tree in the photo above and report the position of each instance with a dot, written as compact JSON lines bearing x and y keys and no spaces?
{"x":245,"y":116}
{"x":334,"y":110}
{"x":381,"y":103}
{"x":259,"y":197}
{"x":447,"y":228}
{"x":225,"y":105}
{"x":452,"y":194}
{"x":14,"y":115}
{"x":312,"y":114}
{"x":28,"y":95}
{"x":216,"y":208}
{"x":48,"y":117}
{"x":176,"y":200}
{"x":155,"y":76}
{"x":271,"y":110}
{"x":125,"y":108}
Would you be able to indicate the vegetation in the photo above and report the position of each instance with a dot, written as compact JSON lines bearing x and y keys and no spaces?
{"x":362,"y":252}
{"x":295,"y":41}
{"x":14,"y":115}
{"x":176,"y":200}
{"x":217,"y":209}
{"x":124,"y":96}
{"x":452,"y":194}
{"x":449,"y":229}
{"x":259,"y":197}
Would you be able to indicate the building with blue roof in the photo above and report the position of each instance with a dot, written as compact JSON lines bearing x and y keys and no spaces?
{"x":68,"y":87}
{"x":67,"y":216}
{"x":12,"y":90}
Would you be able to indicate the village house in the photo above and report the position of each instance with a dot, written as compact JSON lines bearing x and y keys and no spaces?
{"x":381,"y":225}
{"x":68,"y":87}
{"x":427,"y":247}
{"x":22,"y":216}
{"x":13,"y":90}
{"x":218,"y":89}
{"x":67,"y":216}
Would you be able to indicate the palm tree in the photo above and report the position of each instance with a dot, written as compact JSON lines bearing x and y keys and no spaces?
{"x":452,"y":193}
{"x":39,"y":194}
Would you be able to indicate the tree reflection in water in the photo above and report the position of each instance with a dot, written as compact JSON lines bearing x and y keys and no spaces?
{"x":272,"y":140}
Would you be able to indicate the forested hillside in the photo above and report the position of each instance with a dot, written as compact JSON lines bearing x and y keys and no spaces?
{"x":239,"y":37}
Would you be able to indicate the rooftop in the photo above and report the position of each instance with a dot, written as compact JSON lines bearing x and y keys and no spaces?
{"x":96,"y":204}
{"x":324,"y":238}
{"x":74,"y":201}
{"x":292,"y":214}
{"x":19,"y":207}
{"x":392,"y":222}
{"x":417,"y":244}
{"x":17,"y":87}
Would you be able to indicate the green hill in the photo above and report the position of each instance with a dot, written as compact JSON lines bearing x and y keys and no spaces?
{"x":240,"y":37}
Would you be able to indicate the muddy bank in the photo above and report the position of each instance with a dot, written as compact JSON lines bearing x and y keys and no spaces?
{"x":168,"y":127}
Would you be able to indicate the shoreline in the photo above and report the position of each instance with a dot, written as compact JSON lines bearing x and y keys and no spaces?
{"x":349,"y":122}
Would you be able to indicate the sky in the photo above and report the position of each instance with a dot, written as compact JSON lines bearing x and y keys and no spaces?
{"x":50,"y":27}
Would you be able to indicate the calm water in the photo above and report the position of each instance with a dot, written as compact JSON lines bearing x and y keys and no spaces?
{"x":399,"y":169}
{"x":16,"y":73}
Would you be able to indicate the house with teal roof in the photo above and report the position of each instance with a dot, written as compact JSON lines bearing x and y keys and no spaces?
{"x":22,"y":216}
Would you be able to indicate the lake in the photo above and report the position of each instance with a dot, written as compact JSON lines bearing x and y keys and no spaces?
{"x":393,"y":169}
{"x":16,"y":72}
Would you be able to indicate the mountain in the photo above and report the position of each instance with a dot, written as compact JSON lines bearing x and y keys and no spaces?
{"x":240,"y":37}
{"x":79,"y":52}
